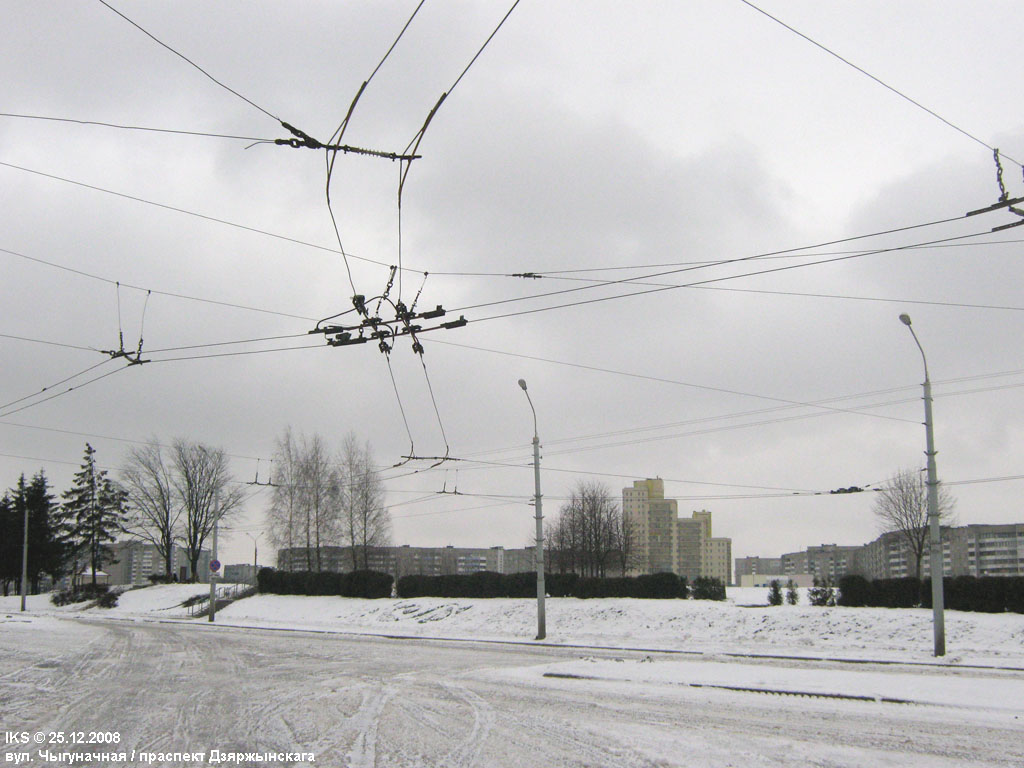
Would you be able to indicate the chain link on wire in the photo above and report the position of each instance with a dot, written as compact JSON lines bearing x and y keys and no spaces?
{"x":1003,"y":195}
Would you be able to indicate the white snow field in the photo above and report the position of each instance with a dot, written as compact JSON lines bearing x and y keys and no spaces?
{"x":277,"y":680}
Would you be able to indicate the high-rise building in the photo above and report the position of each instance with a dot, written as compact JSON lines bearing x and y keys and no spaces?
{"x":664,"y":542}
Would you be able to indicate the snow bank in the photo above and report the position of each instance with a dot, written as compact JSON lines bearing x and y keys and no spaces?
{"x":160,"y":599}
{"x":679,"y":625}
{"x":741,"y":625}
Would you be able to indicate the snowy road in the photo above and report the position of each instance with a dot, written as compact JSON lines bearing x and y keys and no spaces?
{"x":177,"y":687}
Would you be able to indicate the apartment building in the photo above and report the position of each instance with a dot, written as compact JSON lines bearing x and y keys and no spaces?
{"x":969,"y":550}
{"x":987,"y":550}
{"x":134,"y":561}
{"x":826,"y":562}
{"x":240,"y":573}
{"x":667,"y":543}
{"x":754,"y":566}
{"x":406,"y":560}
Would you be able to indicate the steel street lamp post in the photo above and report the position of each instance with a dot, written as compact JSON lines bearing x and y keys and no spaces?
{"x":541,"y":630}
{"x":935,"y":545}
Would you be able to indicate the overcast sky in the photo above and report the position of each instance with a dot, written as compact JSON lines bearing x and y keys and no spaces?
{"x":590,"y":142}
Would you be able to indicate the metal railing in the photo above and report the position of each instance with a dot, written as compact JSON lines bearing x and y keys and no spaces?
{"x":225,"y":595}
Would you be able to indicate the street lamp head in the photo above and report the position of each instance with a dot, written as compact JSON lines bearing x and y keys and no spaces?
{"x":905,"y":319}
{"x":522,"y":384}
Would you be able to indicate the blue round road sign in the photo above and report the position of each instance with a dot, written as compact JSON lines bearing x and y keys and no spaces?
{"x":215,"y":565}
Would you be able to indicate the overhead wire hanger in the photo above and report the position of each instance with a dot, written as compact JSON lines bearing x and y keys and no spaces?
{"x":133,"y":358}
{"x":1005,"y":201}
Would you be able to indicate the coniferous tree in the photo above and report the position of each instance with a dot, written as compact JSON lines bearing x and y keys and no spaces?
{"x":46,"y":554}
{"x":774,"y":593}
{"x":792,"y":596}
{"x":93,"y":513}
{"x":822,"y":593}
{"x":10,"y":545}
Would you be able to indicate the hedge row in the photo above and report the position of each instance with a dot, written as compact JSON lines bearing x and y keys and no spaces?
{"x":354,"y":584}
{"x":486,"y":584}
{"x":489,"y":584}
{"x":985,"y":594}
{"x":656,"y":586}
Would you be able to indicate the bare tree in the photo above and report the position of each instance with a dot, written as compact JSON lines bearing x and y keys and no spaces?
{"x":154,"y":508}
{"x":283,"y":515}
{"x":366,"y":521}
{"x":587,"y":538}
{"x":902,"y":506}
{"x":627,"y":540}
{"x":305,"y":511}
{"x":320,"y":498}
{"x":203,"y":485}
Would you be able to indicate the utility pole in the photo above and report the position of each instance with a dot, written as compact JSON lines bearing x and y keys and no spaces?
{"x":24,"y":559}
{"x":935,"y":544}
{"x":213,"y":573}
{"x":541,"y":620}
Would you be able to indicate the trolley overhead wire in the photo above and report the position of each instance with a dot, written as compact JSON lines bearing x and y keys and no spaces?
{"x":5,"y":414}
{"x":332,"y":154}
{"x":683,"y":285}
{"x":158,"y":292}
{"x":836,"y":296}
{"x":55,"y":384}
{"x":744,"y":259}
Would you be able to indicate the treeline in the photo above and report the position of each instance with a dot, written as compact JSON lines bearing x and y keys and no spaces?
{"x":165,"y":496}
{"x":323,"y":499}
{"x":369,"y":584}
{"x":590,"y":536}
{"x":984,"y":594}
{"x":486,"y":584}
{"x":63,"y":538}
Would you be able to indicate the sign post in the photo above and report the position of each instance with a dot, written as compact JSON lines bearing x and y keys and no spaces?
{"x":214,"y":567}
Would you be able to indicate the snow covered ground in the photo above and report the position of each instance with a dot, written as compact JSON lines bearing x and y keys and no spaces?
{"x":167,"y":682}
{"x":743,"y":624}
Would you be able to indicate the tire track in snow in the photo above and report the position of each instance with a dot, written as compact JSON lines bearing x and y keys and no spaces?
{"x":466,"y":754}
{"x":366,"y":720}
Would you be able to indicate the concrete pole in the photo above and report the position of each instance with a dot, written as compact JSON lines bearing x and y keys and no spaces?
{"x":24,"y":560}
{"x":539,"y":518}
{"x":213,"y":575}
{"x":935,"y":554}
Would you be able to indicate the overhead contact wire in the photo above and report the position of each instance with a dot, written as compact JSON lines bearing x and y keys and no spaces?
{"x":689,"y":285}
{"x":63,"y":392}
